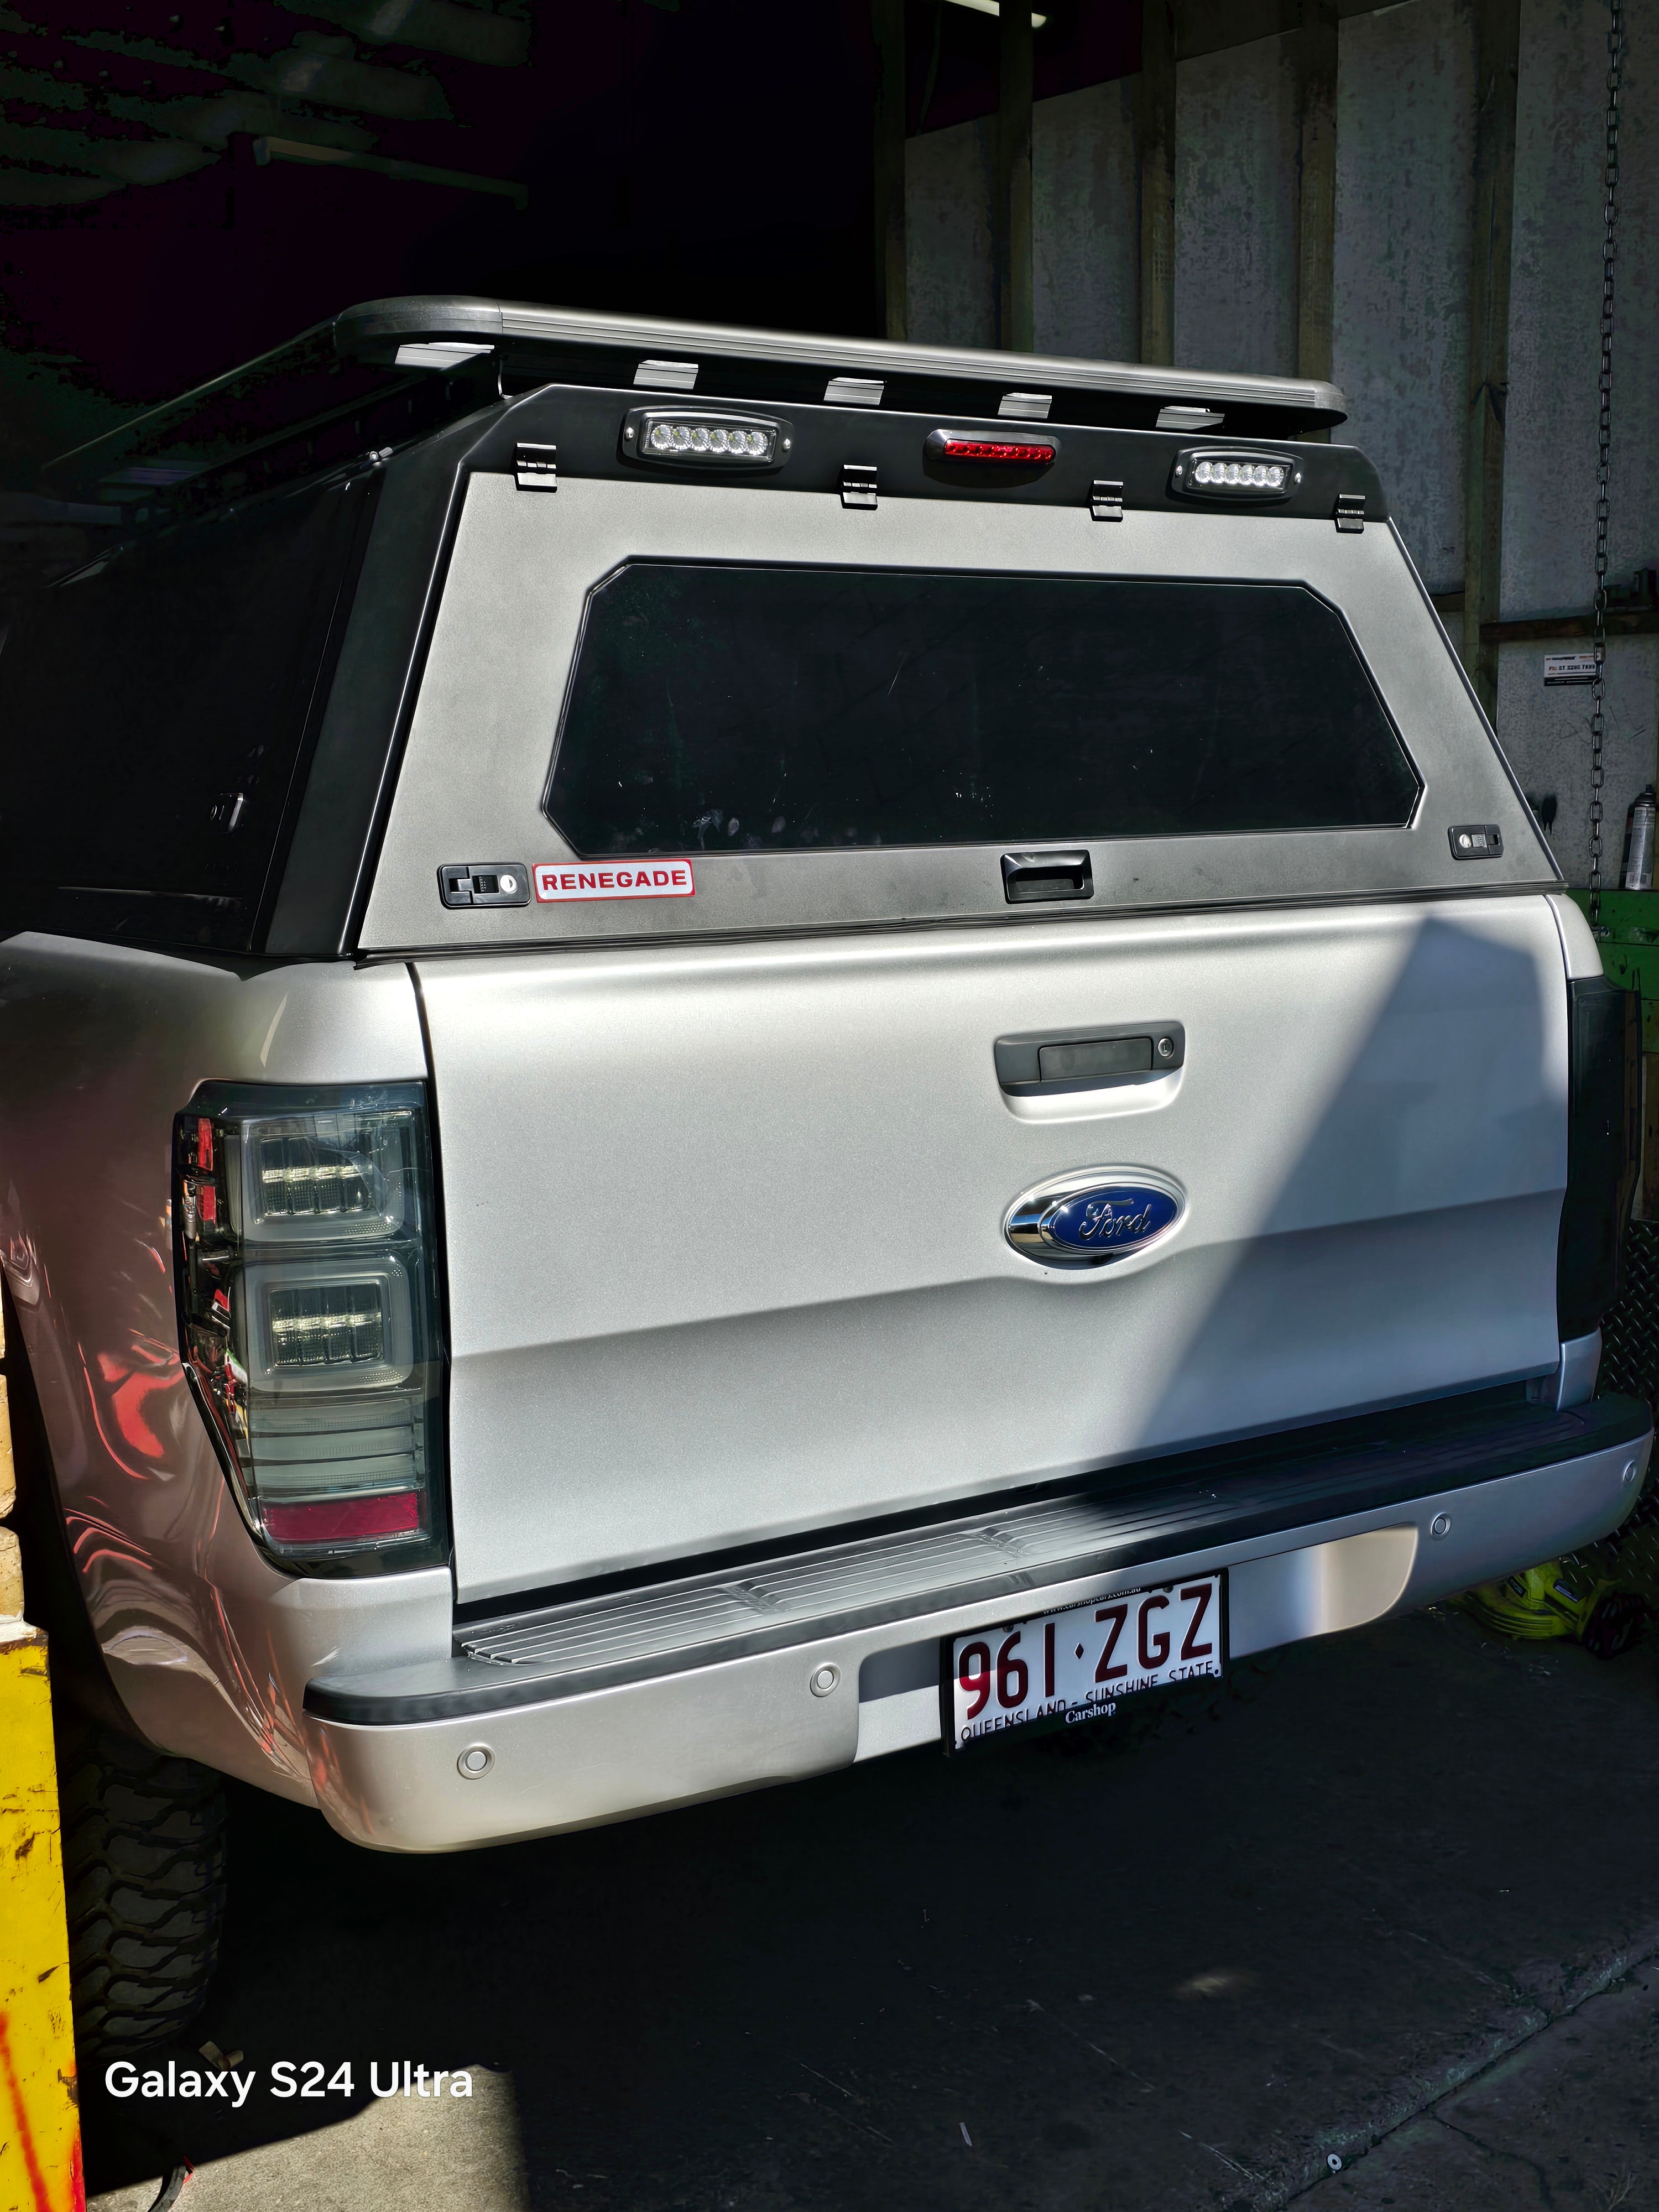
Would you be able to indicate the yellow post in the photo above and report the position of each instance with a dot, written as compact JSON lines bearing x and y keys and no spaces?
{"x":39,"y":2124}
{"x":40,"y":2121}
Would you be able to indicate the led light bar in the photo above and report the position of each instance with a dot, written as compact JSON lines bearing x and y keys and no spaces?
{"x":971,"y":447}
{"x":308,"y":1316}
{"x":1246,"y":474}
{"x":685,"y":437}
{"x":1206,"y":474}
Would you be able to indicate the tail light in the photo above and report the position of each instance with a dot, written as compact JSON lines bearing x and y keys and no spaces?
{"x":307,"y":1270}
{"x":1604,"y":1145}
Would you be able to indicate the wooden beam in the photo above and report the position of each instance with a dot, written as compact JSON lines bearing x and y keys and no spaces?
{"x":1315,"y":73}
{"x":1016,"y":331}
{"x":891,"y":279}
{"x":1533,"y":629}
{"x":1497,"y":52}
{"x":1155,"y":134}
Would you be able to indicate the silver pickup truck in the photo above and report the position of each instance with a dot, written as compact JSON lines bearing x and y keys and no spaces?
{"x":722,"y":1052}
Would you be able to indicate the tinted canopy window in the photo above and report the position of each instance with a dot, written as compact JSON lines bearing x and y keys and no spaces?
{"x":765,"y":709}
{"x":153,"y":715}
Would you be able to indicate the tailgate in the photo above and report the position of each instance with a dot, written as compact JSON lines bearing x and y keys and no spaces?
{"x":726,"y":1224}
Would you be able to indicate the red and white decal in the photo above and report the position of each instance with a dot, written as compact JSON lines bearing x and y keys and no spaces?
{"x":586,"y":879}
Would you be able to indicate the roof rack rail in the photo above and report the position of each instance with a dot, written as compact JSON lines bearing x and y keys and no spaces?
{"x":389,"y":370}
{"x":364,"y":330}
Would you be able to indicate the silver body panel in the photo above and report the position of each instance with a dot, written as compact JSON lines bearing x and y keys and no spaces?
{"x":1579,"y":950}
{"x":1573,"y":1383}
{"x":208,"y":1646}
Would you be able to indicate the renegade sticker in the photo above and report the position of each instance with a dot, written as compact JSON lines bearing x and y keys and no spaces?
{"x":558,"y":879}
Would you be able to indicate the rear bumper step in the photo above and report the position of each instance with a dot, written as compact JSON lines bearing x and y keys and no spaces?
{"x":1212,"y":1502}
{"x":556,"y":1744}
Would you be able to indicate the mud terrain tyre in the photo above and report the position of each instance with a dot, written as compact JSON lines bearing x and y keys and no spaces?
{"x":144,"y":1878}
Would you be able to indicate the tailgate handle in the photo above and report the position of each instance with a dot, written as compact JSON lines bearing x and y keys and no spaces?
{"x":1047,"y":876}
{"x":1086,"y":1059}
{"x":1095,"y":1060}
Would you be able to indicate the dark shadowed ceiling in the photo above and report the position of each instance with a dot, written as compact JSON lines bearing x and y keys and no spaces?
{"x":184,"y":182}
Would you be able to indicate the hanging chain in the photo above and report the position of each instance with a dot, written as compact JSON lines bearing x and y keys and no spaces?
{"x":1604,"y":451}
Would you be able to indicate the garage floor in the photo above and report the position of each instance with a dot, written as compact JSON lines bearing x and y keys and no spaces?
{"x":1401,"y":1909}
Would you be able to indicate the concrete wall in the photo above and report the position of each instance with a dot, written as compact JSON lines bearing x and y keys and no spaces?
{"x":950,"y":278}
{"x":1554,"y":345}
{"x":1235,"y":193}
{"x":1405,"y":150}
{"x":1085,"y":299}
{"x":1549,"y":521}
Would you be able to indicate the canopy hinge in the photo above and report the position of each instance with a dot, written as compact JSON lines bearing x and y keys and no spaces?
{"x":536,"y":467}
{"x":858,"y":484}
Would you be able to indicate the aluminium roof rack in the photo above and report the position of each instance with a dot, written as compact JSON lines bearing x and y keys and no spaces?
{"x":378,"y":375}
{"x":558,"y":330}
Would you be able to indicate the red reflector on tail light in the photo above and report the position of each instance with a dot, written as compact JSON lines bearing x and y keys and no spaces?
{"x":338,"y":1519}
{"x":1005,"y":453}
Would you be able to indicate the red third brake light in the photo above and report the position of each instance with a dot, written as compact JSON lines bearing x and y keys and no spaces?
{"x":1024,"y":452}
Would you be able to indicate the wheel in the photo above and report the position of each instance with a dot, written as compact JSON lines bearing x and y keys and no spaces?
{"x":144,"y":1882}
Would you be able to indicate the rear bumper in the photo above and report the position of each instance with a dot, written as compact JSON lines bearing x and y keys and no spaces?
{"x":639,"y":1701}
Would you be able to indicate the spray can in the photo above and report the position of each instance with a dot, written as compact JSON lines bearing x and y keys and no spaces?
{"x":1638,"y":841}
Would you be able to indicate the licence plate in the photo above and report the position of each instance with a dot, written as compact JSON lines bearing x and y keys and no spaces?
{"x":1078,"y":1665}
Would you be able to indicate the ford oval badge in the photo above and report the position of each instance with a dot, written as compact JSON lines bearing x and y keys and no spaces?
{"x":1091,"y":1218}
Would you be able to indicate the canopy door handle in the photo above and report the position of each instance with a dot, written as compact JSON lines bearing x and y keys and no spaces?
{"x":1047,"y":876}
